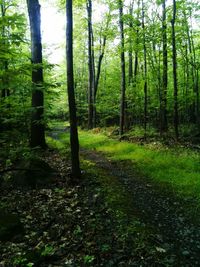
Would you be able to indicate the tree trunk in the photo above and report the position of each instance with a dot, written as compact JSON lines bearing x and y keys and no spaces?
{"x":91,"y":80}
{"x":174,"y":57}
{"x":76,"y":173}
{"x":37,"y":137}
{"x":137,"y":43}
{"x":5,"y":91}
{"x":145,"y":72}
{"x":130,"y":52}
{"x":163,"y":104}
{"x":123,"y":79}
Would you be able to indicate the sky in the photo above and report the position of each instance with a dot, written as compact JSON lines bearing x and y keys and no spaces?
{"x":53,"y":32}
{"x":53,"y":28}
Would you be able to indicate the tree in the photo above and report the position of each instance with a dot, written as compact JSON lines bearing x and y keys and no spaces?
{"x":145,"y":70}
{"x":163,"y":104}
{"x":37,"y":135}
{"x":5,"y":90}
{"x":174,"y":59}
{"x":123,"y":74}
{"x":76,"y":173}
{"x":130,"y":52}
{"x":91,"y":67}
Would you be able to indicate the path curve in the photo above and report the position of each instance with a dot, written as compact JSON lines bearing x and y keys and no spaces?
{"x":174,"y":230}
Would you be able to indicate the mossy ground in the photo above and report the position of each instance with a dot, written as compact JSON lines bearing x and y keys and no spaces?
{"x":176,"y":167}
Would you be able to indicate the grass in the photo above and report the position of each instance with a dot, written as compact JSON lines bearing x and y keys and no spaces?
{"x":177,"y":167}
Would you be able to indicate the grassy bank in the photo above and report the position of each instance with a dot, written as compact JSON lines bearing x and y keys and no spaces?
{"x":177,"y":167}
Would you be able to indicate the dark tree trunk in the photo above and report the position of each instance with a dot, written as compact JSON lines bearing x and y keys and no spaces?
{"x":123,"y":79}
{"x":196,"y":84}
{"x":136,"y":43}
{"x":130,"y":52}
{"x":37,"y":137}
{"x":191,"y":72}
{"x":174,"y":57}
{"x":76,"y":173}
{"x":163,"y":104}
{"x":145,"y":72}
{"x":5,"y":91}
{"x":91,"y":81}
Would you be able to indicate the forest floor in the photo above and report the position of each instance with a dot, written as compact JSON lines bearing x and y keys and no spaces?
{"x":114,"y":217}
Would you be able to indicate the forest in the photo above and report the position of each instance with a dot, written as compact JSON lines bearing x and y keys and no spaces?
{"x":99,"y":133}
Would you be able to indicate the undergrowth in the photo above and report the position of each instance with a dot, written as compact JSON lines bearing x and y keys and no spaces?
{"x":177,"y":167}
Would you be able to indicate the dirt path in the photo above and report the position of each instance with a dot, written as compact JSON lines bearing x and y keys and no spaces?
{"x":174,"y":231}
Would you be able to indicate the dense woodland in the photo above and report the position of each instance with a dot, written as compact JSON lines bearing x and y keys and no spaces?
{"x":130,"y":70}
{"x":135,"y":65}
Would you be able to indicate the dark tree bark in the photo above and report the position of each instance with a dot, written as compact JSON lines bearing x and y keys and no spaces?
{"x":5,"y":91}
{"x":196,"y":82}
{"x":130,"y":52}
{"x":76,"y":173}
{"x":123,"y":76}
{"x":145,"y":71}
{"x":136,"y":43}
{"x":163,"y":104}
{"x":91,"y":72}
{"x":37,"y":135}
{"x":174,"y":59}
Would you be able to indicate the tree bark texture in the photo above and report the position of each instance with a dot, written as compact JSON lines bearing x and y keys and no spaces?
{"x":74,"y":142}
{"x":123,"y":76}
{"x":145,"y":71}
{"x":174,"y":60}
{"x":163,"y":104}
{"x":37,"y":135}
{"x":91,"y":73}
{"x":5,"y":82}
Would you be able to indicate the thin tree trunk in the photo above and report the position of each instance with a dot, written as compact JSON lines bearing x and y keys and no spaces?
{"x":174,"y":57}
{"x":130,"y":52}
{"x":145,"y":72}
{"x":91,"y":80}
{"x":163,"y":109}
{"x":5,"y":91}
{"x":191,"y":71}
{"x":123,"y":79}
{"x":136,"y":43}
{"x":76,"y":173}
{"x":196,"y":84}
{"x":37,"y":137}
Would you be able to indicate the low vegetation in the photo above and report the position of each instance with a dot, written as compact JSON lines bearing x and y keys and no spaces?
{"x":176,"y":166}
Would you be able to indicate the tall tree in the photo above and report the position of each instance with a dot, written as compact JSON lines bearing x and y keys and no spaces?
{"x":123,"y":74}
{"x":91,"y":68}
{"x":130,"y":52}
{"x":37,"y":137}
{"x":5,"y":89}
{"x":76,"y":173}
{"x":145,"y":69}
{"x":174,"y":59}
{"x":163,"y":104}
{"x":137,"y":41}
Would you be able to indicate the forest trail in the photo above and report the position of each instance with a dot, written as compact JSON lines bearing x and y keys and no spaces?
{"x":174,"y":230}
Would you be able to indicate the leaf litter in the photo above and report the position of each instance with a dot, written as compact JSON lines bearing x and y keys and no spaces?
{"x":67,"y":225}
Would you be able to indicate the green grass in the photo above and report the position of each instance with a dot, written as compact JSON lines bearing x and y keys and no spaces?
{"x":177,"y":167}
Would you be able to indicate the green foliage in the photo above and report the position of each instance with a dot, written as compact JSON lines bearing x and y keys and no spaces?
{"x":175,"y":167}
